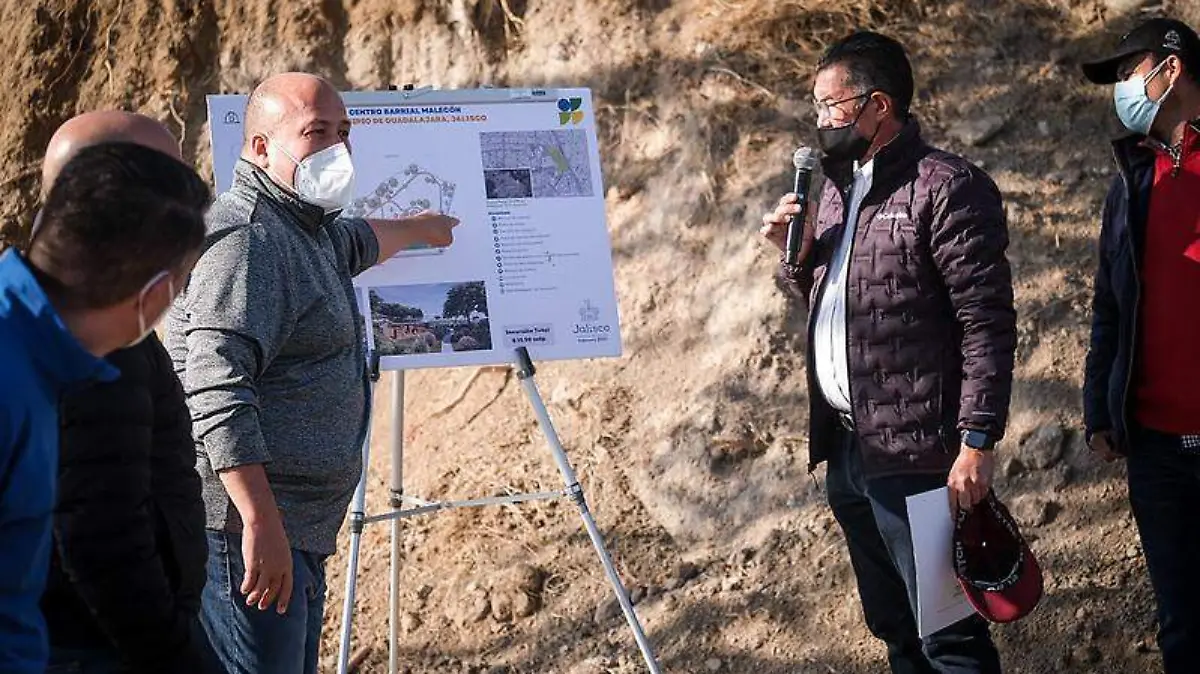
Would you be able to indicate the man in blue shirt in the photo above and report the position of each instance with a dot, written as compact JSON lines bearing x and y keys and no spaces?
{"x":118,"y":233}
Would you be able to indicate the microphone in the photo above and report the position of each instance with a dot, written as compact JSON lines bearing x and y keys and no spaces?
{"x":805,"y":160}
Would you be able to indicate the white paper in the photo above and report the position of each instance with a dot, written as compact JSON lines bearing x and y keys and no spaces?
{"x":531,"y":263}
{"x":940,"y":599}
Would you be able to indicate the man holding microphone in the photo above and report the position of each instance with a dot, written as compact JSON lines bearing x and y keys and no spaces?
{"x":911,"y":335}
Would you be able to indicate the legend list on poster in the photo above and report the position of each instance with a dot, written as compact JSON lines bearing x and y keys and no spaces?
{"x":525,"y":255}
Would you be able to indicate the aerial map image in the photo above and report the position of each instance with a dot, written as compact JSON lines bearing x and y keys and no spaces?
{"x":537,"y":164}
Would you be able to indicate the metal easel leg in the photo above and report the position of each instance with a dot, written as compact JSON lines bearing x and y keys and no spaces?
{"x":525,"y":372}
{"x":357,"y":513}
{"x":396,"y":502}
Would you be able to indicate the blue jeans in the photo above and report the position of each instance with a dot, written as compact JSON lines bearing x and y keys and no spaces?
{"x":250,"y":641}
{"x":1164,"y":492}
{"x":874,"y":518}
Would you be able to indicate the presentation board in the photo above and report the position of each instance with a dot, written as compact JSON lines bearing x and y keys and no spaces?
{"x":531,"y":262}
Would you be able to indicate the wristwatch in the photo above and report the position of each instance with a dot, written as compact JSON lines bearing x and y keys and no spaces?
{"x":978,"y":440}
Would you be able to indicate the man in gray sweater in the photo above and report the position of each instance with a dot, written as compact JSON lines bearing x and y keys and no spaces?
{"x":268,"y":343}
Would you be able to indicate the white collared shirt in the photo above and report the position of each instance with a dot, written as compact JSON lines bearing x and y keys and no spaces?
{"x":831,"y":350}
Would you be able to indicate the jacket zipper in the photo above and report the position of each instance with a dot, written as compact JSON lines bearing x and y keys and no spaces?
{"x":1137,"y":285}
{"x":1176,"y":160}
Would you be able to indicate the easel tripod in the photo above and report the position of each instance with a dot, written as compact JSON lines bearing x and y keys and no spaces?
{"x":358,"y":518}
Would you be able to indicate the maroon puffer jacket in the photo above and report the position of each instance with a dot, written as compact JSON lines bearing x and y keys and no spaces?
{"x":931,"y":325}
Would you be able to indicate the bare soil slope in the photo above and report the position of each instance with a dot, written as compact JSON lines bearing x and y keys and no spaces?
{"x":691,"y":447}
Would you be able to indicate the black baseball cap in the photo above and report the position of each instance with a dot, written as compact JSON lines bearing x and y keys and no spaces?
{"x":1164,"y":37}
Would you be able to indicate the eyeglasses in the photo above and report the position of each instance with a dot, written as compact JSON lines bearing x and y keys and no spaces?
{"x":824,"y":108}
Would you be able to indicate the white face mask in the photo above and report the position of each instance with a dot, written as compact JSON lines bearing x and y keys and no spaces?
{"x":324,"y":178}
{"x":144,"y":330}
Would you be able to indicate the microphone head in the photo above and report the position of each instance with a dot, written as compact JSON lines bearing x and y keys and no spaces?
{"x":806,"y":158}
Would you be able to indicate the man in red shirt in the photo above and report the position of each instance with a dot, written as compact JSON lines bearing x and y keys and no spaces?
{"x":1140,"y":390}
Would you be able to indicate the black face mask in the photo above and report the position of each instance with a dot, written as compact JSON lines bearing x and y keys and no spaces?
{"x":844,"y":143}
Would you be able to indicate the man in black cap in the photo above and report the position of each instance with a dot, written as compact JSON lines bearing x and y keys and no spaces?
{"x":1142,"y":385}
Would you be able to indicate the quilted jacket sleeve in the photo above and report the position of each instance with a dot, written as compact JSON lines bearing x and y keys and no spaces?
{"x":969,"y":239}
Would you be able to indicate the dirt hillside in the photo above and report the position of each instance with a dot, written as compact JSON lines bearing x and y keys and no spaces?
{"x":691,"y":447}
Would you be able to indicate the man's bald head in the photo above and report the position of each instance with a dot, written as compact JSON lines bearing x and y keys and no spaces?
{"x":103,"y":126}
{"x":283,"y":96}
{"x":289,"y":117}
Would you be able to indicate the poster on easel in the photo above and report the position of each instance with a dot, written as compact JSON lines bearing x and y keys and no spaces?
{"x":531,"y":261}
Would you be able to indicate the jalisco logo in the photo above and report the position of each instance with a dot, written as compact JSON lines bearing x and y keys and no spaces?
{"x":569,"y":111}
{"x":589,"y":313}
{"x":231,"y":117}
{"x":589,"y":324}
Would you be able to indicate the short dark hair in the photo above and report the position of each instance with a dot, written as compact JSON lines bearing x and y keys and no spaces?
{"x":874,"y":62}
{"x":117,"y":214}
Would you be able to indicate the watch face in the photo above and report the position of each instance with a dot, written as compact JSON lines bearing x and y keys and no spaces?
{"x":975,"y":439}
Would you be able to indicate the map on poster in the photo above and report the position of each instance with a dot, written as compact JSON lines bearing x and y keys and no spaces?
{"x":531,"y":262}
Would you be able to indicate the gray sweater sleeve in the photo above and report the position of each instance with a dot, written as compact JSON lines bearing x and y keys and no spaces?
{"x":238,"y":318}
{"x":357,"y":243}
